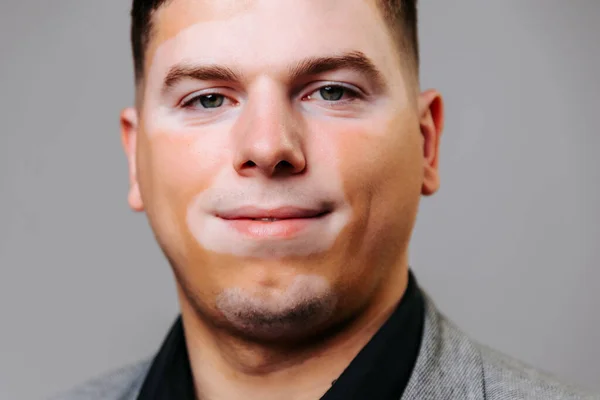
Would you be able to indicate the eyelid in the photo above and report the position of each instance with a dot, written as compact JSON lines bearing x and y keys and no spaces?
{"x":321,"y":84}
{"x":192,"y":96}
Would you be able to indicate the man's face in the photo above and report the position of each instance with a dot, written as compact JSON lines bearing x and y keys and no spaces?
{"x":278,"y":151}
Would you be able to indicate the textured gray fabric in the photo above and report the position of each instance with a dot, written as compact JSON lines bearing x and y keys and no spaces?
{"x":450,"y":366}
{"x":453,"y":366}
{"x":122,"y":384}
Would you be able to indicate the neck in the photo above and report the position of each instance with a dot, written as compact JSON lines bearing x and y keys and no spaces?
{"x":227,"y":367}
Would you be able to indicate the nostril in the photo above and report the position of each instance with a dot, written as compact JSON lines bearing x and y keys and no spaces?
{"x":281,"y":165}
{"x":284,"y":165}
{"x":281,"y":168}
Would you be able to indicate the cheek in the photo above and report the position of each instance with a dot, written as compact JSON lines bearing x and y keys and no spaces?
{"x":174,"y":168}
{"x":182,"y":165}
{"x":381,"y":159}
{"x":381,"y":169}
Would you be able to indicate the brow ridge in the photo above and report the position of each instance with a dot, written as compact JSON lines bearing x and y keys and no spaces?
{"x":353,"y":60}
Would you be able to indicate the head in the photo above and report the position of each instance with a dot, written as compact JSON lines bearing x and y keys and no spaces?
{"x":280,"y":150}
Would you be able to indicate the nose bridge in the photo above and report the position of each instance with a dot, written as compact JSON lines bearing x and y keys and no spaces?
{"x":267,"y":134}
{"x":270,"y":119}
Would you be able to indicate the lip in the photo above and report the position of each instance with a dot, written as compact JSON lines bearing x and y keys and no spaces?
{"x":278,"y":214}
{"x":286,"y":223}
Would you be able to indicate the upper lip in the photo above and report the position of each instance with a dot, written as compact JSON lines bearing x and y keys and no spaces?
{"x":276,"y":213}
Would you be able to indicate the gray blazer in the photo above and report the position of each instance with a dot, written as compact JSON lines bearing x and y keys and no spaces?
{"x":449,"y":366}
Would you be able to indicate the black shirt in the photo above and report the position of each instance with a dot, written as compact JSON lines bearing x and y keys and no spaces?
{"x":380,"y":371}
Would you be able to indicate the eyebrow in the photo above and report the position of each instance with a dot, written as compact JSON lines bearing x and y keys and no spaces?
{"x":354,"y":60}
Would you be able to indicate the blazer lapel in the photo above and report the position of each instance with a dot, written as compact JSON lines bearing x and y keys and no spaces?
{"x":448,"y":365}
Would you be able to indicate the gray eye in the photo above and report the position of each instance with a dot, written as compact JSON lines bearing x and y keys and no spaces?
{"x":332,"y":93}
{"x":211,"y":100}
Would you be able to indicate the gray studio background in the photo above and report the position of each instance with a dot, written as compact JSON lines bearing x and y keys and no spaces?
{"x":509,"y":248}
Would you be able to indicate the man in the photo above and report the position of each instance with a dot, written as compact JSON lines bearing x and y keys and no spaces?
{"x":280,"y":149}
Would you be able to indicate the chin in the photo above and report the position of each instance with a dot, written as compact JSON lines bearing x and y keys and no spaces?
{"x":299,"y":312}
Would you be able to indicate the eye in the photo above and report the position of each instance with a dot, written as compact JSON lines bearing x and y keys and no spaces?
{"x":335,"y":93}
{"x":211,"y":100}
{"x":331,"y":93}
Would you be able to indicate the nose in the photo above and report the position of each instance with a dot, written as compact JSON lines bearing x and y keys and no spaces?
{"x":268,"y":141}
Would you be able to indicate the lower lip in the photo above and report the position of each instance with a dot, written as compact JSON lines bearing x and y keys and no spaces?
{"x":284,"y":228}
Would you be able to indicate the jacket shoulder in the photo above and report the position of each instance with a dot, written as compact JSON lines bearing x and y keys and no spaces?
{"x":507,"y":378}
{"x":120,"y":384}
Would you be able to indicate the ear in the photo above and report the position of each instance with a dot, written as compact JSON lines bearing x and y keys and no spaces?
{"x":129,"y":127}
{"x":431,"y":121}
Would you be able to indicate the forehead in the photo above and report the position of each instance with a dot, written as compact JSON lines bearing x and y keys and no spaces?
{"x":266,"y":34}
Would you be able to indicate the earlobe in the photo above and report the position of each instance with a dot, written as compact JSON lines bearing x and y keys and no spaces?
{"x":134,"y":198}
{"x":129,"y":130}
{"x":431,"y":120}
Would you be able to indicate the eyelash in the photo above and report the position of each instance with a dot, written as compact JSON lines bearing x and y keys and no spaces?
{"x":352,"y":93}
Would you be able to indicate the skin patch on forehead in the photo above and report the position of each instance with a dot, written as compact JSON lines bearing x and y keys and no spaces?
{"x":265,"y":35}
{"x":179,"y":15}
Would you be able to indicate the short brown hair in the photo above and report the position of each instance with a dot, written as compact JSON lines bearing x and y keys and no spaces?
{"x":400,"y":16}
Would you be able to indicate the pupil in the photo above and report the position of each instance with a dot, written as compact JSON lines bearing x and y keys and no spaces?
{"x":211,"y":101}
{"x":332,"y":93}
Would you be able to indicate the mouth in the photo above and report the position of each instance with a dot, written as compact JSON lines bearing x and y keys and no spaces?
{"x":282,"y":223}
{"x":272,"y":215}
